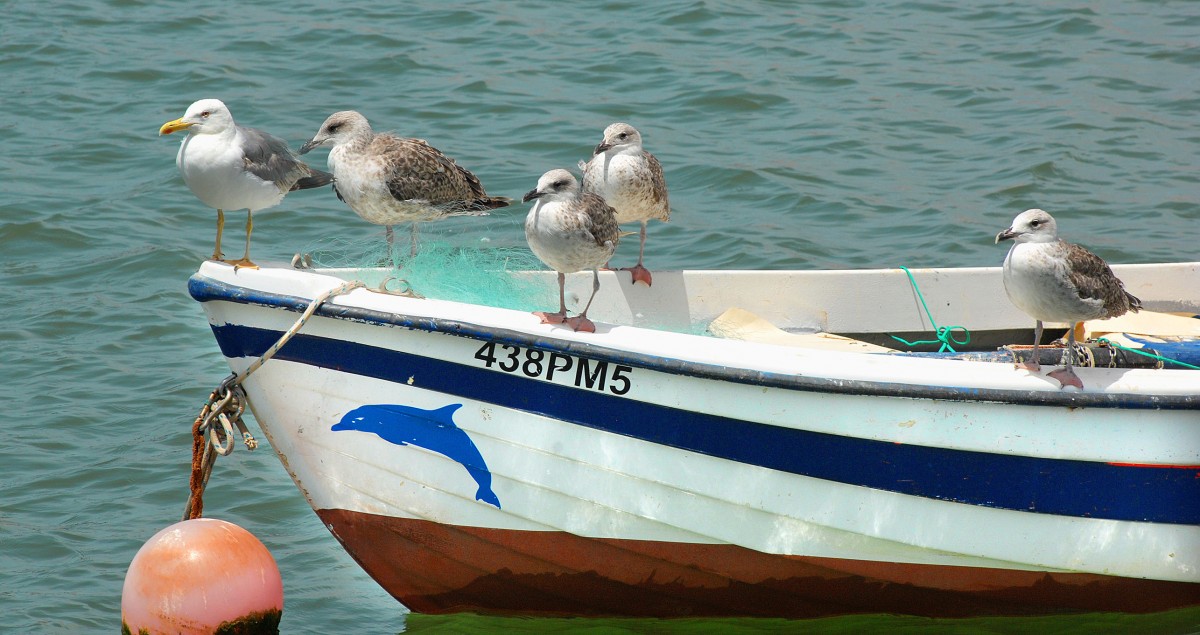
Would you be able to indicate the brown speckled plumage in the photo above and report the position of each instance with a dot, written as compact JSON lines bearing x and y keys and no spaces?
{"x":570,"y":231}
{"x":630,"y":180}
{"x":1093,"y":279}
{"x":1056,"y":281}
{"x":387,"y":179}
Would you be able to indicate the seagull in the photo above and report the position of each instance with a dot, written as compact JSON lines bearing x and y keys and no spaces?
{"x":1056,"y":281}
{"x":231,"y":167}
{"x":570,"y":230}
{"x":388,"y":179}
{"x":630,"y":180}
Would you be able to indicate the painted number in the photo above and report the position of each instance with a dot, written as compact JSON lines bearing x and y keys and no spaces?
{"x":584,"y":373}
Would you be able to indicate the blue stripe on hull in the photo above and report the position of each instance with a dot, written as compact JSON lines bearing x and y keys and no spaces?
{"x":205,"y":289}
{"x":1051,"y":486}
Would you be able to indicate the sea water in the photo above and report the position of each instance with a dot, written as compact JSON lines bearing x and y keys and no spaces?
{"x":832,"y":134}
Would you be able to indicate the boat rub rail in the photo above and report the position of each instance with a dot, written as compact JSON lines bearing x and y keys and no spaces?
{"x":205,"y":289}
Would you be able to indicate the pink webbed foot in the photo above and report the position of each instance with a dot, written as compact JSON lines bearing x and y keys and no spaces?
{"x":1030,"y":366}
{"x":580,"y":323}
{"x":1066,"y":377}
{"x":551,"y":318}
{"x":640,"y":274}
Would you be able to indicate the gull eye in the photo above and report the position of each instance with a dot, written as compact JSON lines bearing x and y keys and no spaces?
{"x":205,"y":114}
{"x":1035,"y":222}
{"x":333,"y":128}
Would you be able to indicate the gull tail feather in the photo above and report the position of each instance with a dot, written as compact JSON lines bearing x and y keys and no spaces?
{"x":316,"y":179}
{"x":481,"y":205}
{"x":1135,"y":304}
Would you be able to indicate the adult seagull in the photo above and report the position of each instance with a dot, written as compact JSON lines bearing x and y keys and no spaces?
{"x":231,"y":167}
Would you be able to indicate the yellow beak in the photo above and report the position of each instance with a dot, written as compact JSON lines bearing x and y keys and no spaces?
{"x":174,"y":126}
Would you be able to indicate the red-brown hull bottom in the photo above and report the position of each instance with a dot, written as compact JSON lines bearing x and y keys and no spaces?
{"x":434,"y":568}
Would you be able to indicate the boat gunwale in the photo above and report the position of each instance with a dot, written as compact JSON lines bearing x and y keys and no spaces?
{"x":204,"y":288}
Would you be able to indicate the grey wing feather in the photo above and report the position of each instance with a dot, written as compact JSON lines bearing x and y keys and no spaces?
{"x":269,"y":158}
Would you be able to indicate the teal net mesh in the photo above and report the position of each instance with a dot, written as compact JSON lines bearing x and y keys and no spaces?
{"x":490,"y":276}
{"x":505,"y":277}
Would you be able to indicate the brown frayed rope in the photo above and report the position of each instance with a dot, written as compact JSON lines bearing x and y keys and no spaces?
{"x":202,"y":464}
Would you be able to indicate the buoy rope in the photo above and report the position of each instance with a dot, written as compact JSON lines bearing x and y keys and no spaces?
{"x":944,"y":334}
{"x":212,"y":431}
{"x":1105,"y":340}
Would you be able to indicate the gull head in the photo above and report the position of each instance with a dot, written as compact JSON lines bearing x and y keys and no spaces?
{"x":1031,"y":226}
{"x":554,"y":185}
{"x":619,"y":135}
{"x":339,"y":128}
{"x":207,"y":116}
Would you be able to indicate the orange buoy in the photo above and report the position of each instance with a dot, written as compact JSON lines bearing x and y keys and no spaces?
{"x":202,"y":576}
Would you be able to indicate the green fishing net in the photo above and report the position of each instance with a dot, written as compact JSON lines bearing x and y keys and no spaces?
{"x":506,"y":277}
{"x":490,"y":276}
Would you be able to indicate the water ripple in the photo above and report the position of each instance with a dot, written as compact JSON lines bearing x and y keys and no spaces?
{"x":838,"y":133}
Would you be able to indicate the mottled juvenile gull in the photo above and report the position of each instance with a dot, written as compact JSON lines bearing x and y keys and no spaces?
{"x":388,"y":179}
{"x":1056,"y":281}
{"x":231,"y":167}
{"x":630,"y":180}
{"x":570,"y":231}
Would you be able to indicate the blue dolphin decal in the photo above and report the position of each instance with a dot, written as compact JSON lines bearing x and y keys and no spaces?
{"x":430,"y":429}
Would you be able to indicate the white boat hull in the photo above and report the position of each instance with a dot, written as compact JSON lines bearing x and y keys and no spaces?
{"x":495,"y":464}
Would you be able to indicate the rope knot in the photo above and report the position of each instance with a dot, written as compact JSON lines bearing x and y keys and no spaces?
{"x":944,"y":334}
{"x":225,"y":407}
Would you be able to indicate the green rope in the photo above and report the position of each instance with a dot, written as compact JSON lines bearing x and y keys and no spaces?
{"x":944,"y":334}
{"x":1160,"y":358}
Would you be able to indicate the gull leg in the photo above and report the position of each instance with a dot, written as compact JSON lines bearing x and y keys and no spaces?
{"x":217,"y":255}
{"x":556,"y":318}
{"x":640,"y":273}
{"x":1032,"y":365}
{"x":581,"y":322}
{"x":389,"y":235}
{"x":245,"y":261}
{"x":1065,"y":375}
